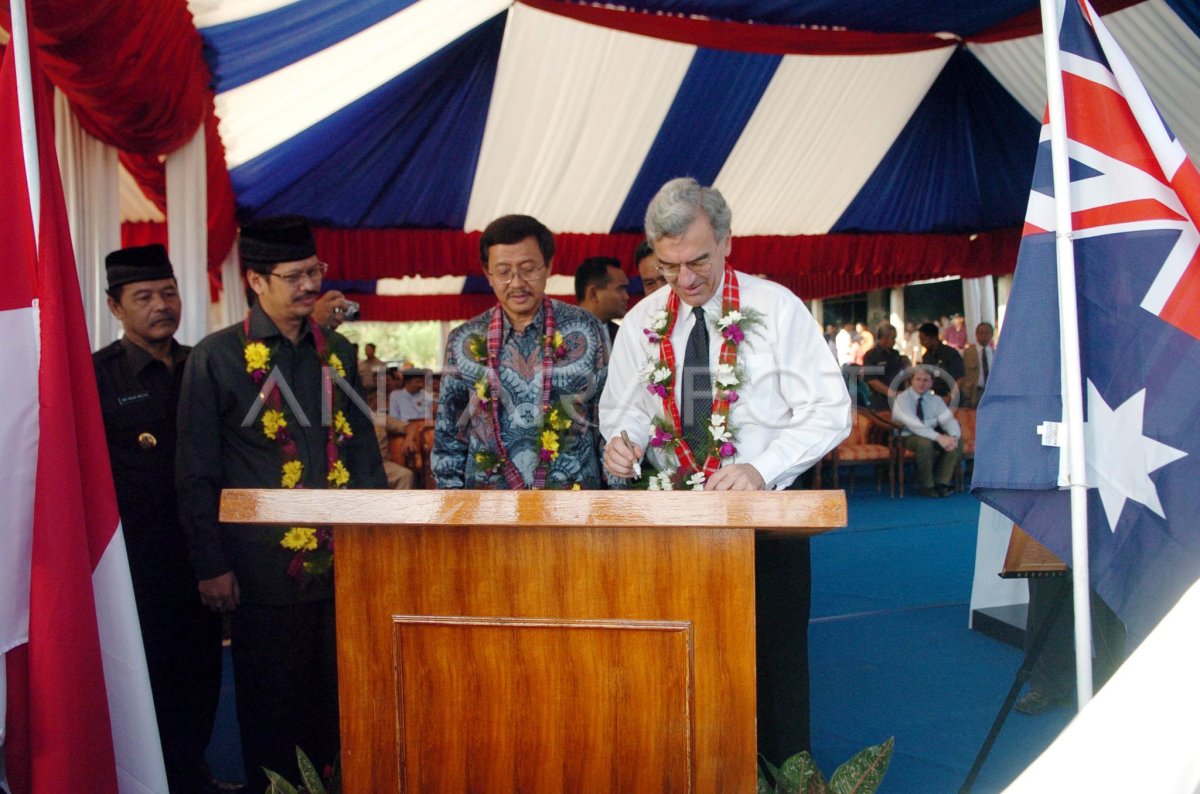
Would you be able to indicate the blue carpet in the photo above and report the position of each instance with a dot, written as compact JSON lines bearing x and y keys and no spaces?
{"x":890,"y":653}
{"x":225,"y":749}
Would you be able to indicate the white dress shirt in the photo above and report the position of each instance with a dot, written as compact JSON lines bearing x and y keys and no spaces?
{"x":407,"y":407}
{"x":793,"y":406}
{"x":904,"y":411}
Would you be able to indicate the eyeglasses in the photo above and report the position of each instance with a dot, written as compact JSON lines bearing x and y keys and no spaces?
{"x":700,"y":266}
{"x":313,"y":273}
{"x":527,"y":273}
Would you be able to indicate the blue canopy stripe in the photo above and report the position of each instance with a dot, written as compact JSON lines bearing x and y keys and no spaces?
{"x":711,"y":108}
{"x":960,"y":164}
{"x":406,"y":151}
{"x":247,"y":49}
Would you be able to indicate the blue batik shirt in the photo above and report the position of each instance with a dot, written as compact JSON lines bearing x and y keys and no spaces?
{"x":463,"y":428}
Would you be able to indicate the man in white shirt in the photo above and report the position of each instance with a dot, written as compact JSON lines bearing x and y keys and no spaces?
{"x":930,"y":431}
{"x":841,"y":344}
{"x":408,"y":402}
{"x":778,"y":409}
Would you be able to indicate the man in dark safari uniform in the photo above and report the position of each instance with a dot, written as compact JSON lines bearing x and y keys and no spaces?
{"x":138,"y":378}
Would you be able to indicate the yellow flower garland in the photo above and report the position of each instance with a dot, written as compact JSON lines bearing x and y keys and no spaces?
{"x":292,"y":471}
{"x":300,"y":539}
{"x":258,"y":356}
{"x":272,"y":422}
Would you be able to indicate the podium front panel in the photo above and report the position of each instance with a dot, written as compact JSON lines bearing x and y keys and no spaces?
{"x":546,"y":659}
{"x":575,"y":703}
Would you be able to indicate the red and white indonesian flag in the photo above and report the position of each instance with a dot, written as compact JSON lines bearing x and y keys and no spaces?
{"x":75,"y":696}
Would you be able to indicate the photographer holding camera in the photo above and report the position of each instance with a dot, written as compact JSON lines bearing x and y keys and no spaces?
{"x":332,"y":309}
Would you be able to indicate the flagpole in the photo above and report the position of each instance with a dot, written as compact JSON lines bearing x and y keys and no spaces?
{"x":1069,"y":351}
{"x":19,"y":42}
{"x":25,"y":114}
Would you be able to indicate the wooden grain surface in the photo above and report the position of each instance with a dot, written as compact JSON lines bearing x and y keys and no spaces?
{"x":700,"y":577}
{"x":800,"y":512}
{"x":1026,"y":558}
{"x":583,"y":705}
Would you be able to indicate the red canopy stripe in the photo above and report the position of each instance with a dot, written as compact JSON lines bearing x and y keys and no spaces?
{"x":743,"y":36}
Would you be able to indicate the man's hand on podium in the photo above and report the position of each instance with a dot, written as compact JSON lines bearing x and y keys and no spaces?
{"x":736,"y":477}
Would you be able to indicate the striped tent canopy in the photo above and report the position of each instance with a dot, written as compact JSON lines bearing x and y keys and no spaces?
{"x":860,"y":145}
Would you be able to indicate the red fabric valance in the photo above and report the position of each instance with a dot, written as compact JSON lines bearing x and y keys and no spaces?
{"x":818,"y":266}
{"x":145,"y":233}
{"x":814,"y":266}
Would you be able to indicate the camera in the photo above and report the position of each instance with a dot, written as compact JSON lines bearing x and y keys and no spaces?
{"x":352,"y":308}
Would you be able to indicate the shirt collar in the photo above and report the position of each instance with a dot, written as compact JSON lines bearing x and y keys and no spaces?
{"x":263,"y":327}
{"x":508,"y":328}
{"x":140,"y":358}
{"x":712,"y":306}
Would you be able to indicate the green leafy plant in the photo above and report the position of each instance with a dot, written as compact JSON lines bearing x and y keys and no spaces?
{"x":310,"y":781}
{"x":862,"y":774}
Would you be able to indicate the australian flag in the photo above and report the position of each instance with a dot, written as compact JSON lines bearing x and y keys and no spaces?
{"x":1135,"y":200}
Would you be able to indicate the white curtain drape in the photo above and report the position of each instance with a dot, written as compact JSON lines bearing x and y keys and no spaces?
{"x":231,"y":307}
{"x":896,"y":311}
{"x":1003,"y":288}
{"x":979,"y":303}
{"x":187,"y":231}
{"x":91,"y":188}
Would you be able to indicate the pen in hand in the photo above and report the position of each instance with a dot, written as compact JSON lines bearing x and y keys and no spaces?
{"x":637,"y":465}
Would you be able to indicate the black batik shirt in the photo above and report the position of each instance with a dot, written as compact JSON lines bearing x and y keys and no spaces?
{"x":216,"y":452}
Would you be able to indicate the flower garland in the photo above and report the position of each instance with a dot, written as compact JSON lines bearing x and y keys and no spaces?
{"x":667,"y":429}
{"x":557,"y":419}
{"x":312,"y":547}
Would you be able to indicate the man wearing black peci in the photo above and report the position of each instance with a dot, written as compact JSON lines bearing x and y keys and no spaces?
{"x":138,"y":379}
{"x":251,"y":415}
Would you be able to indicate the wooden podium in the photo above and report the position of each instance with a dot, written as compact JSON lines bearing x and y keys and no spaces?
{"x":496,"y":641}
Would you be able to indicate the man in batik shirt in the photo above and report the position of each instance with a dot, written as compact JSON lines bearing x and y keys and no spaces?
{"x":522,"y":381}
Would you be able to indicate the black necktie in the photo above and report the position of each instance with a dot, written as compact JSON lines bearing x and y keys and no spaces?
{"x":983,"y":351}
{"x":697,"y":386}
{"x":921,"y":407}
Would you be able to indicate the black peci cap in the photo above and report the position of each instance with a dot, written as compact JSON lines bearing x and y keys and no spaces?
{"x":137,"y":263}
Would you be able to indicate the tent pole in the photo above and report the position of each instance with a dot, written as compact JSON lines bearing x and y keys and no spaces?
{"x":25,"y":113}
{"x":1069,"y":350}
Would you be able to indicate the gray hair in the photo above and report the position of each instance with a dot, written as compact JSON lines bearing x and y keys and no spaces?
{"x":677,"y":205}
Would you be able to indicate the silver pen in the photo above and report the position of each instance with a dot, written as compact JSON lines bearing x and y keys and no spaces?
{"x":637,"y":464}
